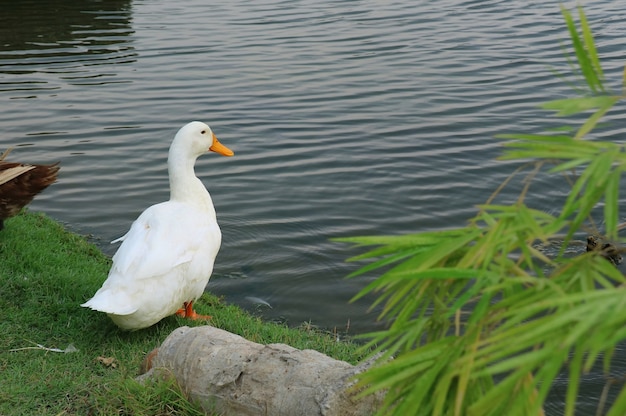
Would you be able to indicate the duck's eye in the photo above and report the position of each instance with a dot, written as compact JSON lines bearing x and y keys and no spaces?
{"x":203,"y":132}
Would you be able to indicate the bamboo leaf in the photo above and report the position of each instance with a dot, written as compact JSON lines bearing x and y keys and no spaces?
{"x":590,"y":47}
{"x":536,"y":137}
{"x":548,"y":372}
{"x":570,"y":106}
{"x":569,"y":165}
{"x":575,"y":367}
{"x":501,"y":391}
{"x":386,"y":261}
{"x":611,"y":203}
{"x":584,"y":62}
{"x":619,"y":406}
{"x":593,"y":120}
{"x":527,"y":360}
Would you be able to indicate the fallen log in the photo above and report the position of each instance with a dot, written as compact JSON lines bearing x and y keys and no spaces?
{"x":229,"y":375}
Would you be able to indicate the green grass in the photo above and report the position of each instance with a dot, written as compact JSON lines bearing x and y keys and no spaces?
{"x":45,"y":274}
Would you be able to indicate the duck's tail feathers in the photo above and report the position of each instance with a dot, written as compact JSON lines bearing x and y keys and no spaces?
{"x":106,"y":301}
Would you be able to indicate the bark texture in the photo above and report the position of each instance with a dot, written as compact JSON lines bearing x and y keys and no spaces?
{"x":230,"y":375}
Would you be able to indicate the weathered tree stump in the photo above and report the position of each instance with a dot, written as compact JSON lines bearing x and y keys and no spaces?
{"x":230,"y":375}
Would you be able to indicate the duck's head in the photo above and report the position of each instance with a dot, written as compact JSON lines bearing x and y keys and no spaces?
{"x":199,"y":138}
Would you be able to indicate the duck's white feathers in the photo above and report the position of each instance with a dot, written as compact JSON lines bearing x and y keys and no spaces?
{"x":165,"y":259}
{"x":165,"y":236}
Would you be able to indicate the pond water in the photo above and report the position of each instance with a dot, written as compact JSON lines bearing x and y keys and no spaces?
{"x":347,"y":118}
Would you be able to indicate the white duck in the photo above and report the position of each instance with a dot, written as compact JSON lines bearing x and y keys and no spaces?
{"x":166,"y":258}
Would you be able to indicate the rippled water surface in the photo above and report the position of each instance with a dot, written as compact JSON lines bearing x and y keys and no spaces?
{"x":346,"y":117}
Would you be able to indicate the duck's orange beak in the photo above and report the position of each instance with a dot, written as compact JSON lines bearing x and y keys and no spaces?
{"x":218,"y":147}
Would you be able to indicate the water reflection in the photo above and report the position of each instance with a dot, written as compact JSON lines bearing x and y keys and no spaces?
{"x":57,"y":59}
{"x":62,"y":37}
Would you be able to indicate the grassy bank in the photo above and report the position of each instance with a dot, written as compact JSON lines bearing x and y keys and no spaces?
{"x":45,"y":274}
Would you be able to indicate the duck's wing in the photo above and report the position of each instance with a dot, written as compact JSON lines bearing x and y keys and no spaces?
{"x":163,"y":237}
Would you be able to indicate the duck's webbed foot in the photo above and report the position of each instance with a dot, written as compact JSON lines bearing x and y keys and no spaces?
{"x":187,"y":312}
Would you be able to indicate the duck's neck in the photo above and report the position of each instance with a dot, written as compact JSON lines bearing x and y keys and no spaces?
{"x":184,"y":185}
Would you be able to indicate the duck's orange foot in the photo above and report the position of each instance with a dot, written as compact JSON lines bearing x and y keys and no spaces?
{"x":189,"y":313}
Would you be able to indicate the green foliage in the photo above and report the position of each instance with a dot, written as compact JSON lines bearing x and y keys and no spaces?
{"x":482,"y":321}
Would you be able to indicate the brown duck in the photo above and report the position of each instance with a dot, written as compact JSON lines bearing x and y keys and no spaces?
{"x":607,"y":250}
{"x":20,"y":182}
